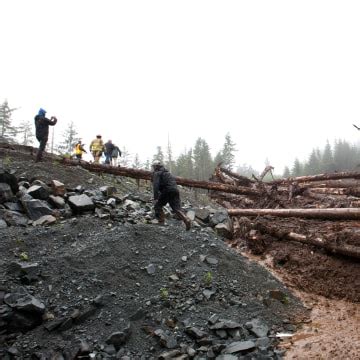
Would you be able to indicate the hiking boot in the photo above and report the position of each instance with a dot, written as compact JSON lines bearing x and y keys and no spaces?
{"x":39,"y":156}
{"x":185,"y":219}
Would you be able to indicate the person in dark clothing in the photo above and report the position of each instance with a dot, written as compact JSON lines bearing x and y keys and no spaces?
{"x":166,"y":191}
{"x":109,"y":148}
{"x":115,"y":154}
{"x":42,"y":131}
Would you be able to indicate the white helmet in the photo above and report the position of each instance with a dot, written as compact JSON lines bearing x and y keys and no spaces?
{"x":156,"y":163}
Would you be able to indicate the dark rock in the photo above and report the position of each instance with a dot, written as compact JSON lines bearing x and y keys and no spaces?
{"x":218,"y":218}
{"x":257,"y":327}
{"x":35,"y":209}
{"x":57,"y":201}
{"x":84,"y":348}
{"x":14,"y":206}
{"x":117,"y":339}
{"x":30,"y":271}
{"x":166,"y":340}
{"x":211,"y":260}
{"x":5,"y":193}
{"x":38,"y":192}
{"x":10,"y":179}
{"x":203,"y":215}
{"x":195,"y":333}
{"x":224,"y":230}
{"x":23,"y":301}
{"x":239,"y":346}
{"x":85,"y":314}
{"x":225,"y":324}
{"x":81,"y":203}
{"x":108,"y":190}
{"x":13,"y":218}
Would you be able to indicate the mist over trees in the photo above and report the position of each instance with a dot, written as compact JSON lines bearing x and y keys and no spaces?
{"x":7,"y":130}
{"x":195,"y":162}
{"x":341,"y":156}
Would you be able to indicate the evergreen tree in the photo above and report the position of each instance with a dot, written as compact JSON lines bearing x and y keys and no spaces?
{"x":203,"y":164}
{"x":7,"y":130}
{"x":125,"y":158}
{"x":25,"y":132}
{"x":169,"y":162}
{"x":137,"y":163}
{"x":327,"y":160}
{"x":219,"y":159}
{"x":297,"y":169}
{"x":147,"y":165}
{"x":246,"y":170}
{"x":159,"y":155}
{"x":184,"y":165}
{"x":69,"y":139}
{"x":286,"y":173}
{"x":312,"y":167}
{"x":227,"y":153}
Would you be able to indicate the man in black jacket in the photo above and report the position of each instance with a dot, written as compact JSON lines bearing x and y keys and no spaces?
{"x":109,"y":148}
{"x":166,"y":191}
{"x":42,"y":131}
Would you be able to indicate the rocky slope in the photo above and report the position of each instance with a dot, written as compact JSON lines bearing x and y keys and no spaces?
{"x":105,"y":282}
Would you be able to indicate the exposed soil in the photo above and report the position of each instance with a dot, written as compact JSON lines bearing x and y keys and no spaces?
{"x":84,"y":258}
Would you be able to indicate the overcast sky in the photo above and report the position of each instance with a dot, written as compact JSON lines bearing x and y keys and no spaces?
{"x":281,"y":77}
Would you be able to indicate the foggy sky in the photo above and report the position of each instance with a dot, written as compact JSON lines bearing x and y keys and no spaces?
{"x":281,"y":77}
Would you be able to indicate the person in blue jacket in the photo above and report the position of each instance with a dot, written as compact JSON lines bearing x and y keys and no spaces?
{"x":42,"y":124}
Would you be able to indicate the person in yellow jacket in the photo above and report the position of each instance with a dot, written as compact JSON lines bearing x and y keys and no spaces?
{"x":79,"y":150}
{"x":97,"y":148}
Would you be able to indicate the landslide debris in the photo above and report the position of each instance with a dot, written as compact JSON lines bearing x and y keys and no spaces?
{"x":100,"y":280}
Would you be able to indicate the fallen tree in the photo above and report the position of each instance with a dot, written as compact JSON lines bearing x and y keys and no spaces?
{"x":319,"y":177}
{"x":347,"y":250}
{"x":329,"y":213}
{"x":146,"y":175}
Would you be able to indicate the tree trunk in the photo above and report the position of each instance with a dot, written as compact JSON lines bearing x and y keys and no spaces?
{"x":146,"y":175}
{"x":347,"y":250}
{"x":320,"y":177}
{"x":327,"y":214}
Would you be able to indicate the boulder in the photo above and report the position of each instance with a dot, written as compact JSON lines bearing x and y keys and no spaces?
{"x":203,"y":215}
{"x":13,"y":218}
{"x":10,"y":179}
{"x":38,"y":192}
{"x":219,"y":217}
{"x":35,"y":208}
{"x":58,"y":188}
{"x":225,"y":230}
{"x":81,"y":203}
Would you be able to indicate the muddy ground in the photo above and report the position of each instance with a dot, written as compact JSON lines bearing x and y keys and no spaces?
{"x":86,"y":260}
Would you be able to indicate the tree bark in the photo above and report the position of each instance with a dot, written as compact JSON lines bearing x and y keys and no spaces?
{"x":347,"y":250}
{"x":320,"y":177}
{"x":327,"y":214}
{"x":146,"y":175}
{"x":241,"y":180}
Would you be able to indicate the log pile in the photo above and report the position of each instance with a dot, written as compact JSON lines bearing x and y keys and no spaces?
{"x":322,"y":211}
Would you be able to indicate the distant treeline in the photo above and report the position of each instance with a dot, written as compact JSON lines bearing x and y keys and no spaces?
{"x":196,"y":162}
{"x":341,"y":156}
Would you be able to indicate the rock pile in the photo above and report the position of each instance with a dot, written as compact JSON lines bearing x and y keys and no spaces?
{"x":104,"y":282}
